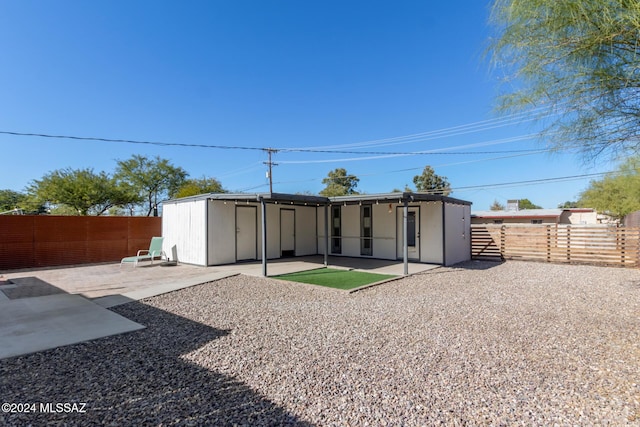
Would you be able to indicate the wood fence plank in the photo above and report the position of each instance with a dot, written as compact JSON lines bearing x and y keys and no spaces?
{"x":602,"y":245}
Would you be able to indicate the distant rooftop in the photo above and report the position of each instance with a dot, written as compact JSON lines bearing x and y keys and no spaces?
{"x":522,"y":213}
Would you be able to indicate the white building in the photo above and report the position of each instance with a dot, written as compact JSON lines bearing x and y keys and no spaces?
{"x":221,"y":228}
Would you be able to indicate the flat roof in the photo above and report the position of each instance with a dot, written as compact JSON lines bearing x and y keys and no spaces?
{"x":400,"y":197}
{"x":321,"y":200}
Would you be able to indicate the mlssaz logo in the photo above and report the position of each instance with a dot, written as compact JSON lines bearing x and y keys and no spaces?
{"x":63,"y":407}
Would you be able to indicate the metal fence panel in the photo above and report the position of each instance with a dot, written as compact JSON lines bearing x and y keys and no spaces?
{"x":46,"y":241}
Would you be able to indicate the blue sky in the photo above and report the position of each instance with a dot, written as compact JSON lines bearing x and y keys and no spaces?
{"x":281,"y":73}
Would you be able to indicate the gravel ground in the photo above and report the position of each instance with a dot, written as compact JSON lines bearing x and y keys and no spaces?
{"x":479,"y":344}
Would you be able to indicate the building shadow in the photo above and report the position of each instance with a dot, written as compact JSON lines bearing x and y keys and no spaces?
{"x":137,"y":378}
{"x":28,"y":287}
{"x":465,"y":265}
{"x":361,"y":263}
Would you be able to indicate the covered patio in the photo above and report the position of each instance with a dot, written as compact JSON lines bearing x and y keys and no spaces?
{"x":223,"y":228}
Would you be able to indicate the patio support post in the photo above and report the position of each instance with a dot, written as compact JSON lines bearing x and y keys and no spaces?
{"x":405,"y":247}
{"x":263,"y":208}
{"x":326,"y":235}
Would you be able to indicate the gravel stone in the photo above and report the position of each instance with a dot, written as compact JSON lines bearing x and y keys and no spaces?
{"x":479,"y":343}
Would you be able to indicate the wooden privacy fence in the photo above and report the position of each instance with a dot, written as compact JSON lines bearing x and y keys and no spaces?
{"x":45,"y":241}
{"x":558,"y":243}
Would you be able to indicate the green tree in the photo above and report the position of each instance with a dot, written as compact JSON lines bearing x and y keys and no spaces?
{"x":569,"y":204}
{"x":430,"y":182}
{"x":339,"y":183}
{"x":617,"y":193}
{"x":527,"y":204}
{"x":407,"y":189}
{"x":579,"y":59}
{"x":193,"y":187}
{"x":10,"y":200}
{"x":78,"y":191}
{"x":496,"y":206}
{"x":154,"y":180}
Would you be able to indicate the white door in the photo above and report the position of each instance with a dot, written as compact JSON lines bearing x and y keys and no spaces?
{"x":287,"y":232}
{"x":413,"y":233}
{"x":246,"y":233}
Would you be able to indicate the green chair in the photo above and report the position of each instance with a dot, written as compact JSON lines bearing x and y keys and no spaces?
{"x":155,"y":251}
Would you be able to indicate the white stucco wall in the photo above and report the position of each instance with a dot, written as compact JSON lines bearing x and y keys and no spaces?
{"x":184,"y":231}
{"x":384,"y":231}
{"x":306,"y":235}
{"x":320,"y":230}
{"x":458,"y":236}
{"x":305,"y":230}
{"x":273,"y":231}
{"x":351,"y":230}
{"x":384,"y":220}
{"x":185,"y":226}
{"x":412,"y":252}
{"x":431,"y":232}
{"x":222,"y":232}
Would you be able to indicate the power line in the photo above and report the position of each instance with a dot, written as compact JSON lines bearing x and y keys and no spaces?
{"x":448,"y":132}
{"x":410,"y":169}
{"x":131,"y":141}
{"x":533,"y":181}
{"x":435,"y":151}
{"x":240,"y":171}
{"x":270,"y":151}
{"x":386,"y":156}
{"x":439,"y":151}
{"x":484,"y":186}
{"x":404,"y":153}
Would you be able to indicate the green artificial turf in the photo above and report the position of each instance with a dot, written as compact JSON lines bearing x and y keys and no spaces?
{"x":333,"y":278}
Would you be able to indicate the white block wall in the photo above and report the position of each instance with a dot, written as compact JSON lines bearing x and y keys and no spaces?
{"x":431,"y":232}
{"x":384,"y":231}
{"x":185,"y":226}
{"x":457,"y":228}
{"x":184,"y":231}
{"x":222,"y":232}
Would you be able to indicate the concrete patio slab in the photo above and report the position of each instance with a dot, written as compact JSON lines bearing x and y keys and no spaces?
{"x":27,"y":287}
{"x":127,"y":283}
{"x":34,"y":324}
{"x":147,"y":292}
{"x":99,"y":280}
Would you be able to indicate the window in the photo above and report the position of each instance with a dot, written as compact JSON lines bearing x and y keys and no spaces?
{"x":536,"y":221}
{"x":498,"y":221}
{"x":366,"y":233}
{"x":336,"y":230}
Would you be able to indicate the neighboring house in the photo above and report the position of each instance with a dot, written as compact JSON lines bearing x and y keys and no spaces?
{"x":523,"y":216}
{"x":214,"y":229}
{"x":585,"y":216}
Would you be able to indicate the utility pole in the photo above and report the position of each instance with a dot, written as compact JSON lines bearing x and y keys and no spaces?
{"x":270,"y":151}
